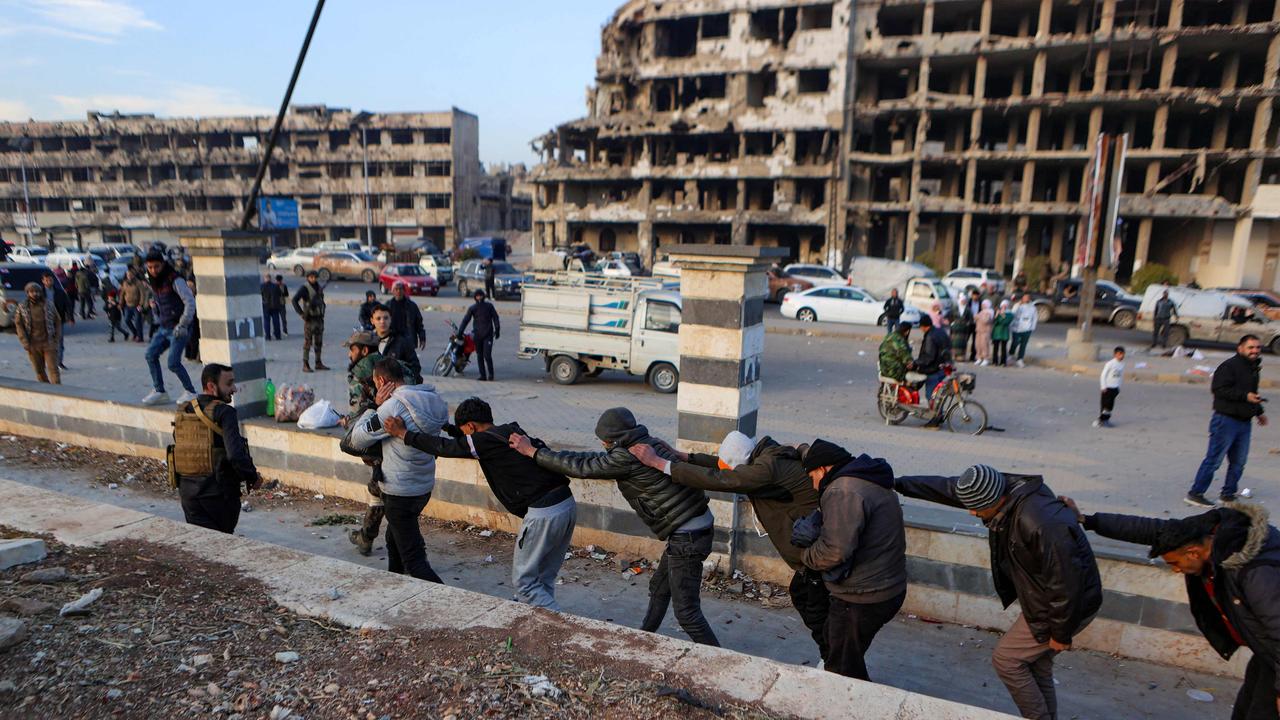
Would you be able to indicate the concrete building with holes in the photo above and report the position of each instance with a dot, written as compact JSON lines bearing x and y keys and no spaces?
{"x":957,"y":132}
{"x":138,"y":178}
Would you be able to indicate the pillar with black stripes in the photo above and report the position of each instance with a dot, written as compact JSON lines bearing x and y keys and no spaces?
{"x":229,"y":307}
{"x":722,"y":291}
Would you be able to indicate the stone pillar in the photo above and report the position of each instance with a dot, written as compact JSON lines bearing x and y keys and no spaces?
{"x":229,"y":307}
{"x":722,"y":289}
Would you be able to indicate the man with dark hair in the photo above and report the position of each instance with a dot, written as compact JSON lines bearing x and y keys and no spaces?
{"x":175,"y":311}
{"x":489,"y":271}
{"x":406,"y":316}
{"x":308,"y":302}
{"x":1040,"y":557}
{"x":366,"y":310}
{"x":39,"y":330}
{"x":362,"y":356}
{"x":408,"y":474}
{"x":272,"y":307}
{"x":859,"y":543}
{"x":780,"y":490}
{"x":396,"y":345}
{"x":675,"y":513}
{"x":1230,"y":559}
{"x":935,"y":354}
{"x":216,"y":450}
{"x":1235,"y":404}
{"x":895,"y":353}
{"x":893,"y":308}
{"x":57,"y":295}
{"x":540,"y":497}
{"x":284,"y":293}
{"x":1165,"y":312}
{"x":487,"y":330}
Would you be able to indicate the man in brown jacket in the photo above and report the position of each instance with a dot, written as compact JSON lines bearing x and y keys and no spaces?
{"x":39,"y":330}
{"x":131,"y":303}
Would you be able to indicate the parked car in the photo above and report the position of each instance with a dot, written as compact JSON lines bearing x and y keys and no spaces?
{"x":439,"y":267}
{"x":782,"y":282}
{"x":347,"y":265}
{"x":113,"y":251}
{"x":297,"y":260}
{"x":13,"y":282}
{"x":619,"y":267}
{"x":917,"y":285}
{"x":575,"y":252}
{"x":351,"y":244}
{"x":28,"y":254}
{"x":116,"y":270}
{"x":962,"y":280}
{"x":844,"y":304}
{"x":507,"y":281}
{"x":64,"y":258}
{"x":416,"y":280}
{"x":1210,"y":316}
{"x":818,"y":274}
{"x":1112,"y":303}
{"x":1265,"y":300}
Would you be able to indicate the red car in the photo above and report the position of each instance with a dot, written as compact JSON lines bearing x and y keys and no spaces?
{"x":417,"y":281}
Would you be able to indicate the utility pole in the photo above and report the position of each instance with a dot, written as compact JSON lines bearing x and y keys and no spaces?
{"x":362,"y":119}
{"x":1106,"y":179}
{"x":22,"y":145}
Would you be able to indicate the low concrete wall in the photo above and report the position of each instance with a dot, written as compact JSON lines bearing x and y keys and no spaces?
{"x":301,"y":582}
{"x":1144,"y":614}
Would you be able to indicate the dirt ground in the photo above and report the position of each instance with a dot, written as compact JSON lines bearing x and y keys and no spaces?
{"x":172,"y":636}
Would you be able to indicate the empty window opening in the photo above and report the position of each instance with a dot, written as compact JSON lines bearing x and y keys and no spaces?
{"x":760,"y":86}
{"x":339,"y":138}
{"x":715,"y":26}
{"x":401,"y":137}
{"x":137,"y":204}
{"x":439,"y":168}
{"x":667,"y":192}
{"x":717,"y":195}
{"x":813,"y":148}
{"x":676,"y":38}
{"x":162,"y":204}
{"x":760,"y":143}
{"x":339,"y":170}
{"x":279,"y":171}
{"x":217,"y":140}
{"x":78,"y":174}
{"x":759,"y":194}
{"x":220,"y":172}
{"x":1015,"y":23}
{"x":438,"y":201}
{"x":811,"y":194}
{"x":435,"y":136}
{"x":53,"y":144}
{"x":76,"y":144}
{"x":403,"y":202}
{"x":815,"y":17}
{"x":956,"y":17}
{"x":813,"y":81}
{"x":896,"y":21}
{"x":341,"y":202}
{"x":402,"y":170}
{"x":664,"y":95}
{"x":222,"y":203}
{"x":311,"y":172}
{"x":157,"y":142}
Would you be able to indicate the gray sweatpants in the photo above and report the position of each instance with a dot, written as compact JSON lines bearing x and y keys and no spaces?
{"x":540,"y":547}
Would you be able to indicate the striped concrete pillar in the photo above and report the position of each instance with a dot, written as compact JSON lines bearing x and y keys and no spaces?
{"x":229,"y":307}
{"x":722,"y":291}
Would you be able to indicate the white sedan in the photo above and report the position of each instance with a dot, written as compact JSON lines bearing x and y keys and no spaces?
{"x":834,"y":303}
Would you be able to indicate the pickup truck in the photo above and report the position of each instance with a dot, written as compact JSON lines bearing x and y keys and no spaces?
{"x":1111,"y":304}
{"x":1210,"y":316}
{"x":586,"y":324}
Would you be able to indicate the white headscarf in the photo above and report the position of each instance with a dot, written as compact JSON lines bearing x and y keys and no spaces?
{"x":736,"y":449}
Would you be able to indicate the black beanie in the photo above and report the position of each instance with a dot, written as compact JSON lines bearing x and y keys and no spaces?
{"x":615,"y":424}
{"x":154,"y":255}
{"x":822,"y":453}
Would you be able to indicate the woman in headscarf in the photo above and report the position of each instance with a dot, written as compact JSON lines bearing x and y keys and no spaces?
{"x":1000,"y":334}
{"x":983,"y":326}
{"x":935,"y":312}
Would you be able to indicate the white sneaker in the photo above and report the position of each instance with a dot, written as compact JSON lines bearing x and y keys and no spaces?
{"x":1097,"y":423}
{"x":186,"y":397}
{"x":1021,"y":364}
{"x":155,"y":398}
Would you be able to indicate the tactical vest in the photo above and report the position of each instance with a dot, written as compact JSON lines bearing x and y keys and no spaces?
{"x":194,"y":452}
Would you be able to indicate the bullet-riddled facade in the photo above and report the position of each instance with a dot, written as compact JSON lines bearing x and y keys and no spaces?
{"x":966,"y":129}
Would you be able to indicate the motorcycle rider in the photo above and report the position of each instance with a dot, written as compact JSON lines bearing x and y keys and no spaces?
{"x":895,"y":353}
{"x":935,"y":353}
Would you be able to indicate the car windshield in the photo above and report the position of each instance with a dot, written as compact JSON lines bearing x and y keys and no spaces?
{"x":502,"y":268}
{"x":33,"y":251}
{"x":993,"y":275}
{"x":407,"y":270}
{"x":363,"y":256}
{"x":940,"y":291}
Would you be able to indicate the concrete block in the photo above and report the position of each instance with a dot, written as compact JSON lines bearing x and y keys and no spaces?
{"x":809,"y":693}
{"x":20,"y":551}
{"x":741,"y":677}
{"x":436,"y":608}
{"x":922,"y":707}
{"x":932,"y":603}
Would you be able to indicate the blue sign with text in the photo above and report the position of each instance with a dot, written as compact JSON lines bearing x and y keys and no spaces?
{"x":277,"y":213}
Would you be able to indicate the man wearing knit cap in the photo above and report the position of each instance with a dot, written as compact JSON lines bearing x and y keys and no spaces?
{"x":859,"y":544}
{"x":775,"y":481}
{"x":675,"y":513}
{"x":1040,"y":557}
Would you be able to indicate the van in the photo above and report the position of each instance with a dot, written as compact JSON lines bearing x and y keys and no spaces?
{"x":1209,"y":316}
{"x":487,"y":247}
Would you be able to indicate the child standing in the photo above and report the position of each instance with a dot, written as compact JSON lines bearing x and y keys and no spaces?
{"x":1110,"y":381}
{"x":112,"y":306}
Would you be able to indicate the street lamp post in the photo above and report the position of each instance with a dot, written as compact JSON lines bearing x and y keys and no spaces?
{"x":362,"y":119}
{"x":22,"y":145}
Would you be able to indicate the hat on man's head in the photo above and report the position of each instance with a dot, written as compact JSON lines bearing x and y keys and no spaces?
{"x":736,"y":449}
{"x":366,"y":339}
{"x":823,"y":453}
{"x":980,"y":487}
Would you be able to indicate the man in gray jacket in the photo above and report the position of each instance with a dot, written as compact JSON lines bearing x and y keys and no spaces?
{"x":409,"y":474}
{"x":858,"y":542}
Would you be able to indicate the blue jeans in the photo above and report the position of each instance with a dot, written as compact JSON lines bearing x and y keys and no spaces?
{"x":1227,"y":436}
{"x":931,"y":381}
{"x":133,"y":322}
{"x":890,"y":324}
{"x":165,"y":338}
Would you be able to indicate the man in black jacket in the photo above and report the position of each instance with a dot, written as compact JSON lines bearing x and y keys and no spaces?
{"x":395,"y":345}
{"x":1040,"y":556}
{"x":366,"y":310}
{"x":935,"y":352}
{"x":487,"y":330}
{"x":1230,"y":558}
{"x":892,"y":311}
{"x":1235,"y":404}
{"x":272,"y":307}
{"x":213,"y":501}
{"x":540,"y":497}
{"x":406,"y":316}
{"x":674,"y":513}
{"x":773,"y":478}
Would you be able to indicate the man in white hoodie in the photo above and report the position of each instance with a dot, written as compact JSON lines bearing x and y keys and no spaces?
{"x":409,"y":475}
{"x":1024,"y":323}
{"x":1110,"y":381}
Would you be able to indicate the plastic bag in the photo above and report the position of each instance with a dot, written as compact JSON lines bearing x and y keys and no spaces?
{"x":319,"y":415}
{"x":291,"y":400}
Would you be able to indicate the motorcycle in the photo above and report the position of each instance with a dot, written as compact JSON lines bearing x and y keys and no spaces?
{"x":950,"y":403}
{"x":456,"y":355}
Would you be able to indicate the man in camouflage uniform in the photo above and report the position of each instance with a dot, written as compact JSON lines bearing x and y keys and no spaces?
{"x":362,"y":352}
{"x":895,"y":353}
{"x":308,"y":302}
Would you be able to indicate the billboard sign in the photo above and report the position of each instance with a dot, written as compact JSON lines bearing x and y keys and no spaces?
{"x":277,"y":213}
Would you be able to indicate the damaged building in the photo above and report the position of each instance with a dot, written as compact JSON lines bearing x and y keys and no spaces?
{"x":138,"y":178}
{"x":955,"y":132}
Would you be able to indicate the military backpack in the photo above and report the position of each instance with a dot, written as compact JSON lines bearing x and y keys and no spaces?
{"x":193,"y":453}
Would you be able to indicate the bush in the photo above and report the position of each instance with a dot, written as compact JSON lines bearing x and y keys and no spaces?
{"x":1033,"y":267}
{"x":929,"y":259}
{"x":469,"y":254}
{"x":1152,"y":274}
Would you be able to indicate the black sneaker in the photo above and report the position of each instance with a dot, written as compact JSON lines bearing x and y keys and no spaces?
{"x":1227,"y":497}
{"x":1197,"y":500}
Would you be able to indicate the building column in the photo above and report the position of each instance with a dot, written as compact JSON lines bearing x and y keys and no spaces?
{"x":722,"y":288}
{"x":229,"y":309}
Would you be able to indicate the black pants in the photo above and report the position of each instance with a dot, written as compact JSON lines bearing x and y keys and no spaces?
{"x":86,"y":305}
{"x":1000,"y":352}
{"x":115,"y":326}
{"x":1108,"y":403}
{"x":488,"y":289}
{"x":678,"y":581}
{"x":1160,"y":333}
{"x":484,"y":356}
{"x":850,"y":629}
{"x":1257,"y":697}
{"x":812,"y":600}
{"x":406,"y":550}
{"x":207,"y":505}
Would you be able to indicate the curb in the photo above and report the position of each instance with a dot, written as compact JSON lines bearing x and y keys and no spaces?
{"x":1151,"y":377}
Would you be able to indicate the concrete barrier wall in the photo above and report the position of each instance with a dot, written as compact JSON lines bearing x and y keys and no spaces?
{"x":1144,"y":613}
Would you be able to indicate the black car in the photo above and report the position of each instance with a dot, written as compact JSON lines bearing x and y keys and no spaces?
{"x":1111,"y":303}
{"x":506,"y":279}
